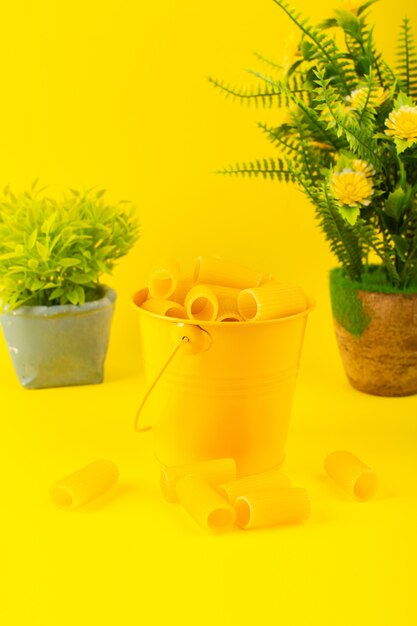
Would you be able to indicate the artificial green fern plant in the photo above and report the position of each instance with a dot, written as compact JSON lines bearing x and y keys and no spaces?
{"x":349,"y":140}
{"x":54,"y":252}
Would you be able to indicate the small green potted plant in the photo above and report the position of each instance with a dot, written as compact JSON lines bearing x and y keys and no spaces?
{"x":350,"y":143}
{"x":55,"y":313}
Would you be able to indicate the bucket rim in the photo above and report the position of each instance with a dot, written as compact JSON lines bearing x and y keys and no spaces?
{"x":141,"y":296}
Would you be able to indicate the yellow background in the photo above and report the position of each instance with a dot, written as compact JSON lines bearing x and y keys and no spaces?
{"x":115,"y":94}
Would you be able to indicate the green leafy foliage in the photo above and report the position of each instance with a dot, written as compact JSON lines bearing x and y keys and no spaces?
{"x":407,"y":60}
{"x":349,"y":139}
{"x":54,"y":252}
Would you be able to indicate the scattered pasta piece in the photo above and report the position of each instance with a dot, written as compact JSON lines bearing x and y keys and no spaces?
{"x":216,"y":271}
{"x":168,"y":308}
{"x":271,"y":301}
{"x":275,"y":479}
{"x":215,"y":471}
{"x":356,"y":478}
{"x":84,"y":485}
{"x":272,"y":506}
{"x":204,"y":504}
{"x":163,"y":279}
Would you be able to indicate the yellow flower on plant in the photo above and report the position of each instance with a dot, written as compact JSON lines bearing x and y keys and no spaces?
{"x":402,"y":123}
{"x":351,"y":6}
{"x":356,"y":98}
{"x":351,"y":188}
{"x":363,"y":166}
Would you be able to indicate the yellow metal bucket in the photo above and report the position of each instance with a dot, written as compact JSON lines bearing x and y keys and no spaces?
{"x":225,"y":390}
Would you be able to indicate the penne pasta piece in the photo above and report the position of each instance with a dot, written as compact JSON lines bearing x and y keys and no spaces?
{"x":215,"y":271}
{"x":356,"y":478}
{"x":275,"y":479}
{"x":271,"y":301}
{"x":204,"y":504}
{"x":215,"y":471}
{"x":168,"y":308}
{"x":163,"y":279}
{"x":201,"y":303}
{"x":84,"y":485}
{"x":272,"y":506}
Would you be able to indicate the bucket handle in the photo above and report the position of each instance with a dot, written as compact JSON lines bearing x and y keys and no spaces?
{"x":197,"y":340}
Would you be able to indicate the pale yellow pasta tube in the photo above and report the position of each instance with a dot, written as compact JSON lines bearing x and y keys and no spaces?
{"x":168,"y":308}
{"x":227,"y":297}
{"x":201,"y":303}
{"x":84,"y":485}
{"x":275,"y":479}
{"x":163,"y":279}
{"x":224,"y":292}
{"x":267,"y":278}
{"x":272,"y":506}
{"x":215,"y":471}
{"x":181,"y":290}
{"x":228,"y":311}
{"x":211,"y":270}
{"x":271,"y":301}
{"x":204,"y":504}
{"x":356,"y":478}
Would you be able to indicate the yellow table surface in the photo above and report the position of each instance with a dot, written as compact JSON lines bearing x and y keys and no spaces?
{"x":132,"y":558}
{"x":115,"y":94}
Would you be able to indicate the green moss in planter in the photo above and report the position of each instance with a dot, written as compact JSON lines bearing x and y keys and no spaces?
{"x":346,"y":305}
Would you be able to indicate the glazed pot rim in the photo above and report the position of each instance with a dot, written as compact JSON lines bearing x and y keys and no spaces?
{"x":60,"y":310}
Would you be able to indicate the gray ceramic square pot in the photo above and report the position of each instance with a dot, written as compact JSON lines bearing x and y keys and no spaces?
{"x":59,"y":345}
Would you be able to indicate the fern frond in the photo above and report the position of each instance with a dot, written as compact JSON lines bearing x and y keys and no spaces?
{"x":407,"y":59}
{"x":362,"y":8}
{"x":308,"y":157}
{"x":275,"y":169}
{"x":268,"y":62}
{"x":318,"y":129}
{"x":330,"y":22}
{"x":366,"y":103}
{"x":326,"y":48}
{"x":292,"y":86}
{"x":282,"y":136}
{"x":344,"y":243}
{"x":259,"y":96}
{"x":385,"y":73}
{"x":360,"y":141}
{"x":367,"y":234}
{"x":408,"y":234}
{"x":365,"y":56}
